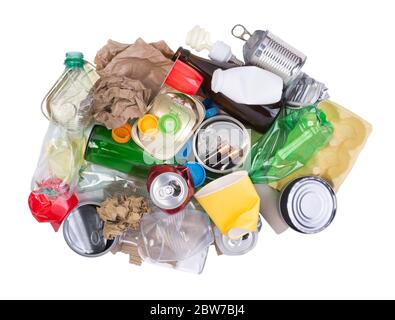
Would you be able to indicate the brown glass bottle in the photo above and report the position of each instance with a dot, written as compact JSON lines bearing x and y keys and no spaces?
{"x":257,"y":117}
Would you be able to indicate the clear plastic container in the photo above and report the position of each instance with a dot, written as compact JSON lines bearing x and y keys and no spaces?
{"x":68,"y":102}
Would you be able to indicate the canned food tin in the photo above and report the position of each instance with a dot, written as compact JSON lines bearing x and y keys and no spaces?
{"x":83,"y":231}
{"x":221,"y":144}
{"x":308,"y":204}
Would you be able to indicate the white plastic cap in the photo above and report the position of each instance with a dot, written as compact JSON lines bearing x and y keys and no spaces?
{"x":220,"y":52}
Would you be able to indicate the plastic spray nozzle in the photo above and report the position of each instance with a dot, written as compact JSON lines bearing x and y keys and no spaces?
{"x":199,"y":39}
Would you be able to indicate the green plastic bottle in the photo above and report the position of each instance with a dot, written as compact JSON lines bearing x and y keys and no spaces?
{"x":128,"y":157}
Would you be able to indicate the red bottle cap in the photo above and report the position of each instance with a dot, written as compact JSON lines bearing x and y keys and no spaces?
{"x":184,"y":78}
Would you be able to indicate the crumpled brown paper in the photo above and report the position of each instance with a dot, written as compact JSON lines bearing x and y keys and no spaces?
{"x":120,"y":213}
{"x":130,"y":77}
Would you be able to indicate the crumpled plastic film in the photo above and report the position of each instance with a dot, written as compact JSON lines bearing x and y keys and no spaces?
{"x":294,"y":138}
{"x":130,"y":76}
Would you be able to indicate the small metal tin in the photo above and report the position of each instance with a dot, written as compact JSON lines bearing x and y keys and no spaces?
{"x":221,"y":144}
{"x":237,"y":247}
{"x":185,"y":112}
{"x":308,"y":204}
{"x":169,"y":191}
{"x":83,"y":231}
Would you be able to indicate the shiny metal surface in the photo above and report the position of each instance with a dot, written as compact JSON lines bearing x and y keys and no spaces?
{"x":189,"y":110}
{"x":305,"y":91}
{"x":308,"y":204}
{"x":169,"y":190}
{"x":83,"y":231}
{"x":236,"y":247}
{"x":265,"y":50}
{"x":221,"y":144}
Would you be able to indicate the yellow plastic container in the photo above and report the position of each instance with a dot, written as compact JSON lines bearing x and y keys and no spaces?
{"x":232,"y":203}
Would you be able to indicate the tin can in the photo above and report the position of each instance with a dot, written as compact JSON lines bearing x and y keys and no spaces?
{"x":308,"y":204}
{"x":237,"y":247}
{"x":83,"y":231}
{"x":221,"y":144}
{"x":265,"y":50}
{"x":170,"y":187}
{"x":178,"y":116}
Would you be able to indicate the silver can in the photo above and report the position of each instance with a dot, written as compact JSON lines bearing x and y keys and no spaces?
{"x":169,"y":191}
{"x":265,"y":50}
{"x":221,"y":144}
{"x":237,"y":247}
{"x":83,"y":231}
{"x":308,"y":204}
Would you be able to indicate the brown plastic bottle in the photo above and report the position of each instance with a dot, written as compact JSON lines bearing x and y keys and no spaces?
{"x":257,"y":117}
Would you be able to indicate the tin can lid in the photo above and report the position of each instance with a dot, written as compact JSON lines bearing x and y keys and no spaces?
{"x":308,"y":204}
{"x":168,"y":190}
{"x":184,"y":78}
{"x":198,"y":173}
{"x":169,"y":123}
{"x":236,"y":247}
{"x":83,"y":231}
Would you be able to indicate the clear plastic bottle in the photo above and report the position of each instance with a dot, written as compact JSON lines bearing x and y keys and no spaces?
{"x":68,"y":103}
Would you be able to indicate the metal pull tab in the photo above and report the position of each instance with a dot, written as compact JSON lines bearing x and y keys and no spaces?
{"x":240,"y":32}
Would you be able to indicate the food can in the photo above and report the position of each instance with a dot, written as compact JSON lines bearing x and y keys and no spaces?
{"x":308,"y":204}
{"x":83,"y":231}
{"x":221,"y":144}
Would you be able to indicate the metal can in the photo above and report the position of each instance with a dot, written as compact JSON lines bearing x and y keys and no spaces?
{"x":83,"y":231}
{"x":237,"y":247}
{"x":170,"y":187}
{"x":265,"y":50}
{"x":308,"y":204}
{"x":221,"y":144}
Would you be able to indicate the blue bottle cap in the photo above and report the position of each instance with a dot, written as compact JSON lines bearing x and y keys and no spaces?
{"x":198,"y":173}
{"x":211,"y":112}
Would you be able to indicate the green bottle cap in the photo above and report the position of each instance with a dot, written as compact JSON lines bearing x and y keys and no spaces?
{"x":74,"y":60}
{"x":169,"y":123}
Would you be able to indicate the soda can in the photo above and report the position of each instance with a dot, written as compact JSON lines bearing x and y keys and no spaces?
{"x":170,"y":187}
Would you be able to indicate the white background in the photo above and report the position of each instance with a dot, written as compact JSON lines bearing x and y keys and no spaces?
{"x":350,"y":46}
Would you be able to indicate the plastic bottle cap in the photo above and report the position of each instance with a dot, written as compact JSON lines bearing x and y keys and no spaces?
{"x":169,"y":123}
{"x":122,"y":134}
{"x":184,"y":78}
{"x":148,"y":124}
{"x":198,"y":173}
{"x":220,"y":52}
{"x":74,"y":60}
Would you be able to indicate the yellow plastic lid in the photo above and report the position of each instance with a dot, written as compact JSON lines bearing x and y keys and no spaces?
{"x":148,"y":124}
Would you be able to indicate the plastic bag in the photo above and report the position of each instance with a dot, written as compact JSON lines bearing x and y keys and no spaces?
{"x":56,"y":176}
{"x":294,"y":138}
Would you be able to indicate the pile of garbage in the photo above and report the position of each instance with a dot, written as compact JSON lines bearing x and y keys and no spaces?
{"x":160,"y":154}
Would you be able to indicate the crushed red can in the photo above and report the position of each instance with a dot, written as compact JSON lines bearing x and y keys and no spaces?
{"x":170,"y":187}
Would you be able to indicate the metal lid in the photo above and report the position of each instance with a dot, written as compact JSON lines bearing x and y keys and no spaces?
{"x":83,"y":231}
{"x":169,"y":190}
{"x":236,"y":247}
{"x":308,"y":204}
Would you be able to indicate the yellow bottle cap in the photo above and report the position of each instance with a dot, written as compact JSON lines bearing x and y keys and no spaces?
{"x":148,"y":124}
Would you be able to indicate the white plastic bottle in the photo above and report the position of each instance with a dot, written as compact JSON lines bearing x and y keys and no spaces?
{"x":248,"y":85}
